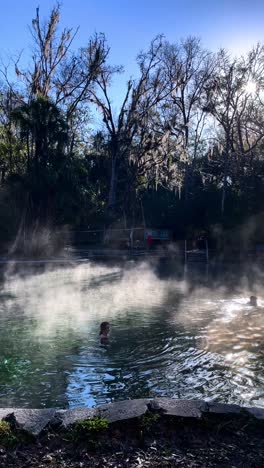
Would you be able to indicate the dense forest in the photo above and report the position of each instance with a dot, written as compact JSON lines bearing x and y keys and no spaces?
{"x":185,"y":149}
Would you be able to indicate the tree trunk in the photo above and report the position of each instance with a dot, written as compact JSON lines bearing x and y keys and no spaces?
{"x":226,"y":161}
{"x":113,"y":184}
{"x":114,"y":174}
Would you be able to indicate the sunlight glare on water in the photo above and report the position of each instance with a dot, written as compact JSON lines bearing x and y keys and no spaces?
{"x":166,"y":340}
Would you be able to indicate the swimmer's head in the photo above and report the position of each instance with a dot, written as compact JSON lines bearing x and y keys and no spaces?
{"x":253,"y":301}
{"x":104,"y":328}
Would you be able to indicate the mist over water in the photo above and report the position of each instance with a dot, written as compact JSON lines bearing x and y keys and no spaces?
{"x":169,"y":337}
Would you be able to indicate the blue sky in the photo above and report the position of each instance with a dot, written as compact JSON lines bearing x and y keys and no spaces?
{"x":130,"y":25}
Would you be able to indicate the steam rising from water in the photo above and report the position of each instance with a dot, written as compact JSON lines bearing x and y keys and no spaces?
{"x":77,"y":293}
{"x":169,"y":337}
{"x":69,"y":297}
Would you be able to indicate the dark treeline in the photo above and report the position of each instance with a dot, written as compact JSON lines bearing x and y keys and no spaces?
{"x":184,"y":150}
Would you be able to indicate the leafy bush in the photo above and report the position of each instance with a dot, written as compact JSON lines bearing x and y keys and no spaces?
{"x":149,"y":420}
{"x":7,"y":437}
{"x":88,"y":428}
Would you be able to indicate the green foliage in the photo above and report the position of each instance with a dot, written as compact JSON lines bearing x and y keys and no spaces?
{"x":89,"y":429}
{"x":149,"y":420}
{"x":55,"y":170}
{"x":7,"y":436}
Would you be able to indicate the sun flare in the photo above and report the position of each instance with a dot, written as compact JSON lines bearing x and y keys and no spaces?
{"x":251,"y":87}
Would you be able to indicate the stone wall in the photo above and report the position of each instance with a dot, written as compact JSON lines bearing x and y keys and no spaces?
{"x":34,"y":421}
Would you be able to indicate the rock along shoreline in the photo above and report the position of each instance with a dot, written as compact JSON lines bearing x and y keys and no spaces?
{"x":161,"y":432}
{"x":34,"y":421}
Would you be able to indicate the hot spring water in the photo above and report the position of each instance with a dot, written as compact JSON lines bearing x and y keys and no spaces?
{"x":165,"y":339}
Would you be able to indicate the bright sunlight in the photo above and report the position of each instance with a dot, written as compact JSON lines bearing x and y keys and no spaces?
{"x":251,"y":87}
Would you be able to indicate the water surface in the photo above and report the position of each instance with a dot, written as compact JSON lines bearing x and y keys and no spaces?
{"x":168,"y":338}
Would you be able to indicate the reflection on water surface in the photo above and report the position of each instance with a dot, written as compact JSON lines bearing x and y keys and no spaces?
{"x":164,"y":340}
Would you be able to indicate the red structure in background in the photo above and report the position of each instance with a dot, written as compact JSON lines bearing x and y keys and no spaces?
{"x":150,"y":241}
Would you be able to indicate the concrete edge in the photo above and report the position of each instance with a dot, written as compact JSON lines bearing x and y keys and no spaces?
{"x":34,"y":421}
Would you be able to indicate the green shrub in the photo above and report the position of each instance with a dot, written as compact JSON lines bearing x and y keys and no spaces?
{"x":88,"y":428}
{"x":7,"y":437}
{"x":149,"y":420}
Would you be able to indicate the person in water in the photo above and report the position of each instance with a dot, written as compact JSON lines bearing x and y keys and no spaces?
{"x":253,"y":301}
{"x":104,"y":332}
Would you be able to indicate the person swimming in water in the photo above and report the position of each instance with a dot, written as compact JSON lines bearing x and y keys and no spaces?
{"x":104,"y":332}
{"x":253,"y":301}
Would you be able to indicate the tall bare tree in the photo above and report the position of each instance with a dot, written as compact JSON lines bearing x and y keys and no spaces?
{"x":58,"y":73}
{"x":188,"y":67}
{"x":233,"y":100}
{"x":132,"y":139}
